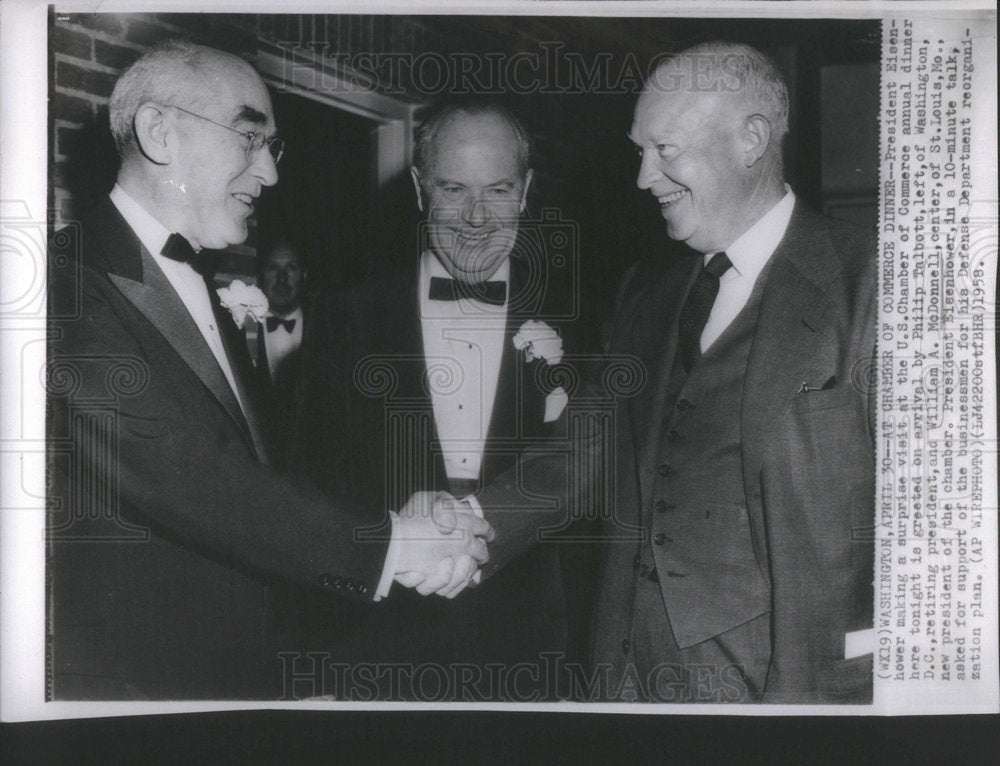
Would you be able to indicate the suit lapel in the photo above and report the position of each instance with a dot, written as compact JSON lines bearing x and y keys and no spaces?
{"x":519,"y":405}
{"x":413,"y":392}
{"x":234,"y":344}
{"x":794,"y":311}
{"x":134,"y":272}
{"x":655,"y":340}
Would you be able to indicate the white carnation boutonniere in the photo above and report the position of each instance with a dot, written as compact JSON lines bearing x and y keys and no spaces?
{"x":242,"y":299}
{"x":539,"y":341}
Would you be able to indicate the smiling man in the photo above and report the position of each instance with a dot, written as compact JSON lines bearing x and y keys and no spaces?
{"x":748,"y":457}
{"x":462,"y":404}
{"x":171,"y":535}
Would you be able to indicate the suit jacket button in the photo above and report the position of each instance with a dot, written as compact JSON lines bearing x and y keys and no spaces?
{"x":635,"y":563}
{"x":626,"y":645}
{"x":337,"y":581}
{"x":349,"y":585}
{"x":662,"y":506}
{"x":660,"y":539}
{"x":664,"y":470}
{"x":684,"y":404}
{"x":362,"y":588}
{"x":675,"y":437}
{"x":324,"y":580}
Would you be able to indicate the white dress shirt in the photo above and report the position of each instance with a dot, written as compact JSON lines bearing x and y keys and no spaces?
{"x":749,"y":255}
{"x":463,"y":346}
{"x":280,"y":344}
{"x":187,"y":283}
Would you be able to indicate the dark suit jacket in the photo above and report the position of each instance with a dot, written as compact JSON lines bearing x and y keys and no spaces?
{"x":367,"y":422}
{"x":279,"y":398}
{"x":808,"y":458}
{"x":167,"y":529}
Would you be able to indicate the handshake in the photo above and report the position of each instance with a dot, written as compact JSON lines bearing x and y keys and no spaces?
{"x":442,"y":543}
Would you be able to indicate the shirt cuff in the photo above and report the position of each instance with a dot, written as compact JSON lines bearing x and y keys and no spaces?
{"x":477,"y":509}
{"x":391,"y":560}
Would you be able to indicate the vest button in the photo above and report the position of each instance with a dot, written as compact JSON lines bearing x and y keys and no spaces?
{"x":664,"y":470}
{"x":661,"y":506}
{"x":660,"y":539}
{"x":626,"y":645}
{"x":684,"y":404}
{"x":675,"y":437}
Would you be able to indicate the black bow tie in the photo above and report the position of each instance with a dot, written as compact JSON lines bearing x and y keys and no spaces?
{"x":273,"y":323}
{"x":177,"y":248}
{"x":493,"y":293}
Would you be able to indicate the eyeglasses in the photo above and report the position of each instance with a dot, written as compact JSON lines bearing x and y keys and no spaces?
{"x":255,"y":141}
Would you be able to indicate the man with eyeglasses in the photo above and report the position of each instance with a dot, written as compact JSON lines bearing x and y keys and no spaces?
{"x":169,"y":534}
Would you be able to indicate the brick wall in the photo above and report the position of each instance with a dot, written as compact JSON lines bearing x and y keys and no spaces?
{"x":87,"y":53}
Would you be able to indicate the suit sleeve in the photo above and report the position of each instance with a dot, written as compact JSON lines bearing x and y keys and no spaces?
{"x":557,"y":483}
{"x":157,"y":443}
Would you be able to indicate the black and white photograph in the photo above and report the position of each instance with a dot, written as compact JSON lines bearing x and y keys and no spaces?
{"x":536,"y":359}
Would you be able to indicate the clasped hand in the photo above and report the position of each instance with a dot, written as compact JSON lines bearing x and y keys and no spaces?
{"x":443,"y":544}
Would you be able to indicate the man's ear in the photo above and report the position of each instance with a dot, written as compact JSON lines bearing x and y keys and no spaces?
{"x":415,"y":175}
{"x":152,"y":133}
{"x":527,"y":185}
{"x":756,"y":138}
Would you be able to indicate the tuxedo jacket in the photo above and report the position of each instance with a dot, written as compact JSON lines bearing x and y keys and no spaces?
{"x":279,"y":398}
{"x":807,"y":455}
{"x":168,"y":530}
{"x":367,"y":422}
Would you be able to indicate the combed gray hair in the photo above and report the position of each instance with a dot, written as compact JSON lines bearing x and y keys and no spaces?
{"x":439,"y":116}
{"x":172,"y":71}
{"x":752,"y":74}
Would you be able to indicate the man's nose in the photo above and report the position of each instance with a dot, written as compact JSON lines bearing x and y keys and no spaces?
{"x":648,"y":171}
{"x":264,"y":167}
{"x":475,"y":212}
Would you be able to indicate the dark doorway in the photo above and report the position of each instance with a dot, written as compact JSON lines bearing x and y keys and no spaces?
{"x":326,"y":196}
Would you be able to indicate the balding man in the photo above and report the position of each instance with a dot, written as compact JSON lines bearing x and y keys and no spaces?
{"x":172,"y":532}
{"x":461,"y":406}
{"x":748,"y":457}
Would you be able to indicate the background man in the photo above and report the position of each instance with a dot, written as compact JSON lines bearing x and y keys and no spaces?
{"x":281,"y":276}
{"x":415,"y":383}
{"x":748,"y":457}
{"x":161,"y":572}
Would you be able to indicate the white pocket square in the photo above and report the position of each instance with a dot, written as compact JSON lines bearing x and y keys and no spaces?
{"x":555,"y":403}
{"x":859,"y":643}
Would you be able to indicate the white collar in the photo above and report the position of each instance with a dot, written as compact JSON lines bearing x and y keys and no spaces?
{"x":750,"y":252}
{"x":293,"y":314}
{"x":150,"y":231}
{"x":430,"y":266}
